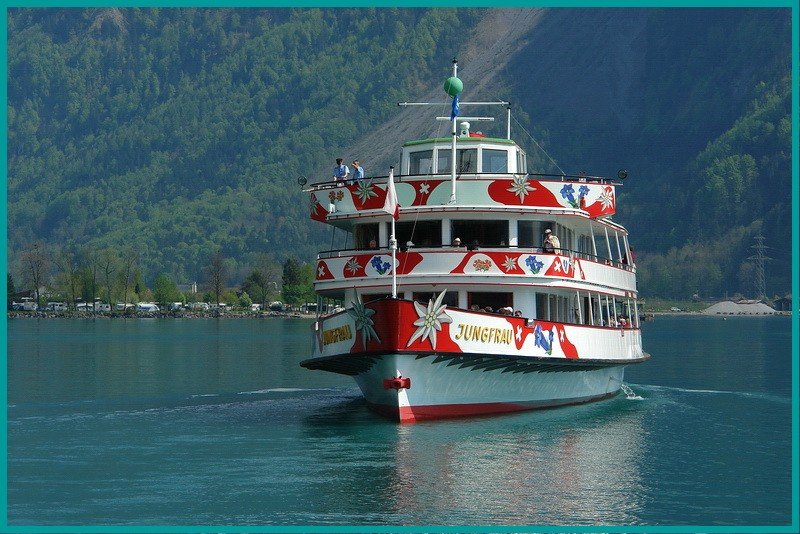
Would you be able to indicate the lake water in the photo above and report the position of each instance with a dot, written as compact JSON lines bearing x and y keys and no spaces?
{"x":213,"y":422}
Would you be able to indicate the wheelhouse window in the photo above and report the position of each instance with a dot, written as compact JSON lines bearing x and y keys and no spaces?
{"x":495,"y":160}
{"x":467,"y":160}
{"x":421,"y":233}
{"x":522,"y":164}
{"x":481,"y":233}
{"x":420,"y":162}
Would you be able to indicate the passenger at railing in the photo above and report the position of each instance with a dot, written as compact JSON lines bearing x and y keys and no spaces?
{"x":623,"y":322}
{"x":630,"y":257}
{"x":373,"y":244}
{"x":518,"y":313}
{"x":474,"y":245}
{"x":551,"y":244}
{"x":358,"y":171}
{"x":508,"y":310}
{"x":475,"y":307}
{"x":457,"y":242}
{"x":488,"y":309}
{"x":340,"y":171}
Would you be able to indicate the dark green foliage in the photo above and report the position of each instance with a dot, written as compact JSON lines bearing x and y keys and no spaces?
{"x":179,"y":131}
{"x":297,"y":282}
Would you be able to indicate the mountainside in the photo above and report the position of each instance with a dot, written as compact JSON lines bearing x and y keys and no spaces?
{"x":181,"y":132}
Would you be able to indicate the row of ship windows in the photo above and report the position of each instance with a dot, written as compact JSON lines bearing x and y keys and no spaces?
{"x":482,"y":233}
{"x":583,"y":307}
{"x":470,"y":160}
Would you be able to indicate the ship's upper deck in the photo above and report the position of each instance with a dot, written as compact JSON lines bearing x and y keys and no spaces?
{"x":491,"y":175}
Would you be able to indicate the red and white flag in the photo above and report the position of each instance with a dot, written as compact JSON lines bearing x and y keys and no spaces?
{"x":390,"y":205}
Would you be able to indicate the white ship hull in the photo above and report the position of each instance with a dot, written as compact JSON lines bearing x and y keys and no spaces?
{"x":443,"y":388}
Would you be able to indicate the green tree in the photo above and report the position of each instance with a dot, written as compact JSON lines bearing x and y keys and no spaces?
{"x":165,"y":290}
{"x":298,"y":281}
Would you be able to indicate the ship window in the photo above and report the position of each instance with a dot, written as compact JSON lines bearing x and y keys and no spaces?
{"x":495,"y":160}
{"x":364,"y":234}
{"x":530,"y":234}
{"x":420,"y":162}
{"x":495,"y":301}
{"x":481,"y":233}
{"x":450,"y":298}
{"x":467,"y":160}
{"x":421,"y":233}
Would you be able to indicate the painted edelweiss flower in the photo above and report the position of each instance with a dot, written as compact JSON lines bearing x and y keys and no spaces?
{"x":365,"y":192}
{"x":509,"y":264}
{"x":520,"y":187}
{"x":607,"y":198}
{"x":430,"y":320}
{"x":364,"y":323}
{"x":353,"y":266}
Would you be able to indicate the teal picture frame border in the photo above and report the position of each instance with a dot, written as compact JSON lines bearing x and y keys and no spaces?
{"x":790,"y":528}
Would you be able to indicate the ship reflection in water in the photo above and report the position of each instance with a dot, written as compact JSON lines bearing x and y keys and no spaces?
{"x":568,"y":466}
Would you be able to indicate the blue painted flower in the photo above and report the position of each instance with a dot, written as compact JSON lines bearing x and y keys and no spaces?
{"x":568,"y":192}
{"x":540,"y":341}
{"x":533,"y":264}
{"x":583,"y":191}
{"x":381,"y":266}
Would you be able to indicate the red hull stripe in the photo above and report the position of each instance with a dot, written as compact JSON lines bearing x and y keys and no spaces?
{"x":413,"y":414}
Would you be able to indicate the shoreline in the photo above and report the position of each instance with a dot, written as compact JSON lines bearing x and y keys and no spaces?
{"x":158,"y":315}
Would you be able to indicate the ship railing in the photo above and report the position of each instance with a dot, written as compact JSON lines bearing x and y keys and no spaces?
{"x":574,"y":254}
{"x":399,"y":178}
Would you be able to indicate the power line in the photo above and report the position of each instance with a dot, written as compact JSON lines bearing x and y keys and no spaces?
{"x":760,"y":258}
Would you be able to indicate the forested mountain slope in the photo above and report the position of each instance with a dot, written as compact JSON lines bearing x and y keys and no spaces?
{"x":182,"y":131}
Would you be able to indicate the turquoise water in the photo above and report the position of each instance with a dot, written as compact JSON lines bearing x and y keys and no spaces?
{"x":213,"y":422}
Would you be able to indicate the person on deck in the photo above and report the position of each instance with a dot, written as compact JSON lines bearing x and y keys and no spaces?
{"x":340,"y":172}
{"x":551,"y":243}
{"x":358,"y":171}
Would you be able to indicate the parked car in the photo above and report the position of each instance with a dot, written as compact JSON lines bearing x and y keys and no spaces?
{"x":674,"y":309}
{"x":120,"y":306}
{"x":276,"y":306}
{"x":199,"y":306}
{"x":175,"y":306}
{"x":255,"y":307}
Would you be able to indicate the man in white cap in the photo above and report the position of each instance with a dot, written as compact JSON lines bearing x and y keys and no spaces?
{"x":551,"y":243}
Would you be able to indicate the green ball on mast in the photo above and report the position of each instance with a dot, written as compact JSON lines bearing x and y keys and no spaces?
{"x":453,"y":86}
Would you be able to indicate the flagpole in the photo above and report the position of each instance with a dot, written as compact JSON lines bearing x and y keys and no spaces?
{"x":393,"y":242}
{"x":453,"y":148}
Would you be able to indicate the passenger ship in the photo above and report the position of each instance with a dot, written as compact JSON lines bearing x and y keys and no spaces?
{"x":498,"y":324}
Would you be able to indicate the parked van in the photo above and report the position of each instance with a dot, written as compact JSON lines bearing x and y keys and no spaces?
{"x":199,"y":306}
{"x":56,"y":306}
{"x":120,"y":306}
{"x":175,"y":306}
{"x":276,"y":306}
{"x":147,"y":307}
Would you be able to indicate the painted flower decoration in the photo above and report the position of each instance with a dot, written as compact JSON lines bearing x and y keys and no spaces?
{"x":365,"y":192}
{"x":583,"y":191}
{"x":364,"y":322}
{"x":381,"y":266}
{"x":332,"y":196}
{"x":430,"y":320}
{"x":533,"y":264}
{"x":339,"y":195}
{"x":607,"y":198}
{"x":520,"y":187}
{"x":568,"y":192}
{"x":510,"y":264}
{"x":353,"y":266}
{"x":482,"y":265}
